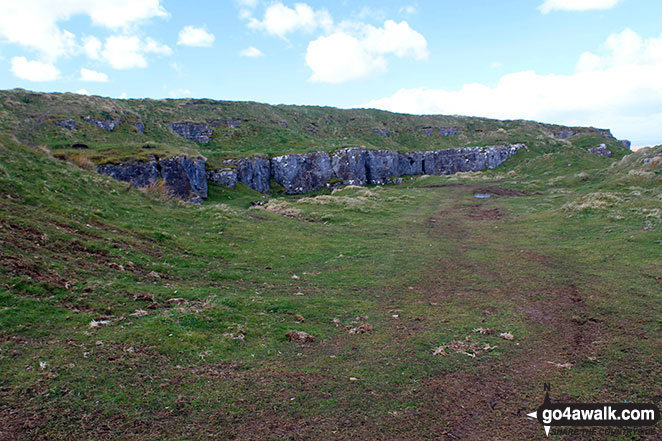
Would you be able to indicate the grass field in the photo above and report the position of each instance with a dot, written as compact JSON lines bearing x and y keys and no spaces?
{"x":127,"y":316}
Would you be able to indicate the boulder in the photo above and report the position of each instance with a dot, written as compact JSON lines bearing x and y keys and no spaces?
{"x":302,"y":173}
{"x":448,"y":131}
{"x":140,"y":174}
{"x":226,"y":177}
{"x":255,"y":172}
{"x":108,"y":125}
{"x":185,"y":178}
{"x":349,"y":166}
{"x":627,"y":144}
{"x":196,"y":132}
{"x":380,"y":165}
{"x":68,"y":124}
{"x":140,"y":127}
{"x":601,"y":150}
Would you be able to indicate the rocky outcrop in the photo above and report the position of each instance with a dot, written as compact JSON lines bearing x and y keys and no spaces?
{"x":255,"y":172}
{"x":139,"y":174}
{"x":305,"y":172}
{"x":185,"y":178}
{"x":601,"y":150}
{"x":567,"y":132}
{"x":381,"y":132}
{"x":349,"y":166}
{"x":140,"y":127}
{"x":381,"y":165}
{"x":227,"y":177}
{"x":68,"y":124}
{"x":410,"y":164}
{"x":108,"y":125}
{"x":626,"y":143}
{"x":444,"y":131}
{"x":302,"y":173}
{"x":196,"y":132}
{"x":230,"y":123}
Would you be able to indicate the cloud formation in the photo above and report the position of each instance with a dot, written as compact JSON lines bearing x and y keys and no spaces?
{"x":576,"y":5}
{"x":123,"y":51}
{"x":93,"y":76}
{"x":195,"y":36}
{"x":358,"y":50}
{"x":617,"y":87}
{"x":34,"y":23}
{"x":33,"y":70}
{"x":251,"y":52}
{"x":281,"y":20}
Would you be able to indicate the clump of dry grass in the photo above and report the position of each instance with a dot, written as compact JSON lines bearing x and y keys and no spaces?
{"x":594,"y":201}
{"x":279,"y":207}
{"x":464,"y":347}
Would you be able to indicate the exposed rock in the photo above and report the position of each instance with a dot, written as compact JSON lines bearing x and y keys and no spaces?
{"x":427,"y":130}
{"x":227,"y":177}
{"x":448,"y":131}
{"x":626,"y":143}
{"x":68,"y":124}
{"x":601,"y":150}
{"x":380,"y":165}
{"x":410,"y":164}
{"x":108,"y":125}
{"x":381,"y":132}
{"x":255,"y":172}
{"x":197,"y":132}
{"x":449,"y":161}
{"x":299,"y":337}
{"x":140,"y":127}
{"x":231,"y":123}
{"x":349,"y":166}
{"x":302,"y":173}
{"x":139,"y":174}
{"x":566,"y":133}
{"x":185,"y":178}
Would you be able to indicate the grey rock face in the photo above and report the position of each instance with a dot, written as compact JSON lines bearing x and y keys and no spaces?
{"x":68,"y":124}
{"x":349,"y":166}
{"x":566,"y":133}
{"x":227,"y":177}
{"x":108,"y":125}
{"x":255,"y":172}
{"x":302,"y":173}
{"x":184,"y":178}
{"x":139,"y":174}
{"x":626,"y":143}
{"x":601,"y":150}
{"x":197,"y":132}
{"x":449,"y":131}
{"x":380,"y":165}
{"x":445,"y":162}
{"x":140,"y":127}
{"x":381,"y":132}
{"x":427,"y":130}
{"x":410,"y":164}
{"x":230,"y":123}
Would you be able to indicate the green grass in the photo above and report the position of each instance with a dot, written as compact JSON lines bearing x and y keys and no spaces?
{"x":570,"y":266}
{"x":264,"y":129}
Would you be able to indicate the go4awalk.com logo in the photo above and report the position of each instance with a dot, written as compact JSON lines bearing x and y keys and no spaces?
{"x":621,"y":415}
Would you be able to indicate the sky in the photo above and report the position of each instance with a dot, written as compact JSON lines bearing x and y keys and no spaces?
{"x":575,"y":62}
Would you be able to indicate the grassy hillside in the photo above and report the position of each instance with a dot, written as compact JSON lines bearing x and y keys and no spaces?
{"x":260,"y":128}
{"x":125,"y":315}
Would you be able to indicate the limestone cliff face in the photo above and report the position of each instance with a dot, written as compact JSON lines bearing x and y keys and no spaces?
{"x":305,"y":172}
{"x":183,"y":178}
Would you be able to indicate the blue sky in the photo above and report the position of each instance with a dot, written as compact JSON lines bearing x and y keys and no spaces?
{"x":584,"y":62}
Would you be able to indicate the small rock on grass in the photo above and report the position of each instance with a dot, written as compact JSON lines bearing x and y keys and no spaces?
{"x":299,"y":337}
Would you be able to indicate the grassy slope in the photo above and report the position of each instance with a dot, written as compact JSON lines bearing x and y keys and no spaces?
{"x":571,"y":267}
{"x":30,"y":117}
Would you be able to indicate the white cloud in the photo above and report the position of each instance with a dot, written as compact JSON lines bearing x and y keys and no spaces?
{"x":122,"y":96}
{"x":409,"y":10}
{"x":496,"y":64}
{"x":82,"y":92}
{"x":619,"y":88}
{"x":357,"y":50}
{"x":92,"y":47}
{"x":34,"y":23}
{"x":251,"y":52}
{"x":576,"y":5}
{"x":280,"y":20}
{"x":180,"y":93}
{"x":126,"y":52}
{"x":33,"y":70}
{"x":92,"y":75}
{"x":194,"y":36}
